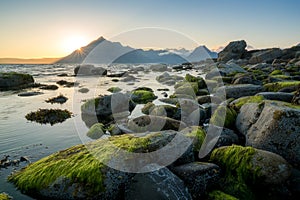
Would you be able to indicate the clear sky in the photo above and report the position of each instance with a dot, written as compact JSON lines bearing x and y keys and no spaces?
{"x":42,"y":28}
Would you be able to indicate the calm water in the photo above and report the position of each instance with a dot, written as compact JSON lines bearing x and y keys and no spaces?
{"x":19,"y":137}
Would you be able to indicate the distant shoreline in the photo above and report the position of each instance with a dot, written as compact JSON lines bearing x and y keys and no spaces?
{"x":28,"y":61}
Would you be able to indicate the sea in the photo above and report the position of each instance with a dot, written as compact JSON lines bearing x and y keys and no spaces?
{"x":20,"y":137}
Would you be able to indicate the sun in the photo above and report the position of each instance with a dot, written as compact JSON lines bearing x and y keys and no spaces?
{"x":73,"y":43}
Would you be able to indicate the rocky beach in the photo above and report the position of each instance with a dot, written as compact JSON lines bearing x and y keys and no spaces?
{"x":222,"y":128}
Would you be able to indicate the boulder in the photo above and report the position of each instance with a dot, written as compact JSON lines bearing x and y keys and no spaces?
{"x":14,"y":80}
{"x":265,"y":56}
{"x":159,"y":184}
{"x":167,"y":79}
{"x":224,"y":70}
{"x":237,"y":91}
{"x":104,"y":168}
{"x":247,"y":168}
{"x":234,"y":50}
{"x":199,"y":177}
{"x":272,"y":126}
{"x":278,"y":96}
{"x":101,"y":109}
{"x":89,"y":70}
{"x":96,"y":131}
{"x":159,"y":67}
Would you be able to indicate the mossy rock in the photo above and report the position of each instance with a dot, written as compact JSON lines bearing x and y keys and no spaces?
{"x":80,"y":172}
{"x":96,"y":131}
{"x":4,"y":196}
{"x":186,"y":88}
{"x":238,"y":103}
{"x":247,"y":169}
{"x":275,"y":87}
{"x":276,"y":72}
{"x":114,"y":89}
{"x":51,"y":116}
{"x":14,"y":80}
{"x":193,"y":79}
{"x":198,"y":135}
{"x":148,"y":107}
{"x":219,"y":195}
{"x":142,"y":96}
{"x":224,"y":116}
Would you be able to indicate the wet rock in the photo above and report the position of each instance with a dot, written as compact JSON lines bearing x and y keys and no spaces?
{"x":160,"y":184}
{"x":29,"y":94}
{"x":168,"y":79}
{"x":142,"y":96}
{"x":162,"y":110}
{"x":49,"y":87}
{"x":14,"y":80}
{"x":199,"y":177}
{"x":61,"y":99}
{"x":234,"y":50}
{"x":67,"y":83}
{"x":114,"y":89}
{"x":224,"y":70}
{"x":83,"y":90}
{"x":116,"y":74}
{"x":224,"y":116}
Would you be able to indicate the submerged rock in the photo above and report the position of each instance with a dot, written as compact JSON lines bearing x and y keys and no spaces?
{"x":51,"y":116}
{"x":61,"y":99}
{"x":14,"y":80}
{"x":29,"y":94}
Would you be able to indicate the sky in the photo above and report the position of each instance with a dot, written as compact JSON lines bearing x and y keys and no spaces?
{"x":42,"y":28}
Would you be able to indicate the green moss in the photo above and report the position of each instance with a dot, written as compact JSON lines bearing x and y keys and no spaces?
{"x":8,"y":75}
{"x":276,"y":72}
{"x":79,"y":164}
{"x":199,"y":135}
{"x":4,"y":196}
{"x":275,"y":87}
{"x":148,"y":107}
{"x":51,"y":116}
{"x":219,"y":195}
{"x":114,"y":89}
{"x":96,"y":131}
{"x":240,"y":175}
{"x":142,"y":96}
{"x":284,"y":77}
{"x":243,"y":100}
{"x":193,"y":79}
{"x":224,"y":116}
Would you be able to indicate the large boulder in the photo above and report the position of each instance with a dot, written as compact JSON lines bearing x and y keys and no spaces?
{"x":103,"y":168}
{"x":224,"y":70}
{"x":13,"y":80}
{"x":237,"y":91}
{"x":106,"y":108}
{"x":199,"y":177}
{"x":159,"y":184}
{"x":278,"y":96}
{"x":88,"y":70}
{"x":247,"y":169}
{"x":273,"y":127}
{"x":234,"y":50}
{"x":265,"y":56}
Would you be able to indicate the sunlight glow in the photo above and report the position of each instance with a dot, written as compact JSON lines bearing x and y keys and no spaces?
{"x":73,"y":43}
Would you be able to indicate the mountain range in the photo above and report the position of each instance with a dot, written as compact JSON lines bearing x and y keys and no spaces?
{"x":105,"y":51}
